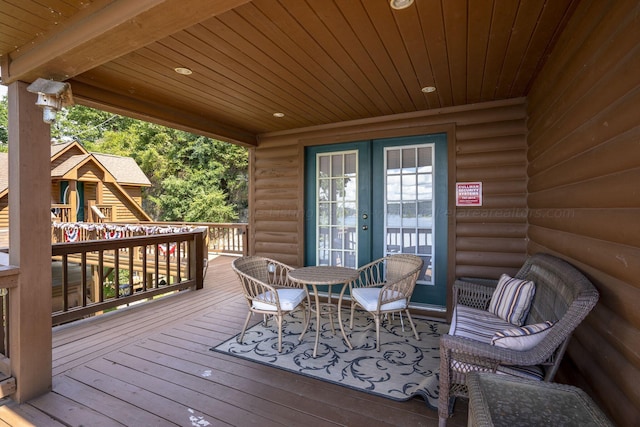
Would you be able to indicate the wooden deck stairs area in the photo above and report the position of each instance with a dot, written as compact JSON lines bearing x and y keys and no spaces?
{"x":150,"y":365}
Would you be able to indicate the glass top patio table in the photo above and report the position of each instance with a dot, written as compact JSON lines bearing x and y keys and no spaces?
{"x":325,"y":276}
{"x":503,"y":401}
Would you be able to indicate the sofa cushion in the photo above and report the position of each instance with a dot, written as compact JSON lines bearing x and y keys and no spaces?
{"x":521,"y":338}
{"x":512,"y":298}
{"x":476,"y":324}
{"x":535,"y":372}
{"x":481,"y":325}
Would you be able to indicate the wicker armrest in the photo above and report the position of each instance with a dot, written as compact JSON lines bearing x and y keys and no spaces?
{"x":371,"y":275}
{"x":278,"y":275}
{"x":474,"y":293}
{"x":482,"y":354}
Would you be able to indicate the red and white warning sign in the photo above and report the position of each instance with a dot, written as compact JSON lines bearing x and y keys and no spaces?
{"x":468,"y":193}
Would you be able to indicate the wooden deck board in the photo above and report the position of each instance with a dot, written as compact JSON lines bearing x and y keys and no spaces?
{"x":70,"y":412}
{"x":175,"y":404}
{"x":25,"y":415}
{"x":342,"y":404}
{"x":152,"y":365}
{"x":198,"y":384}
{"x":119,"y":409}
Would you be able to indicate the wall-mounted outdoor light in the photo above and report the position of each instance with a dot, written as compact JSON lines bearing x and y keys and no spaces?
{"x":52,"y":96}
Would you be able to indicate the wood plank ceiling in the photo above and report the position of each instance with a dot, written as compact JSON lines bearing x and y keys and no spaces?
{"x":316,"y":61}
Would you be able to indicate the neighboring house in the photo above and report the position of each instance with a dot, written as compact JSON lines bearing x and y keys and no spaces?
{"x":83,"y":184}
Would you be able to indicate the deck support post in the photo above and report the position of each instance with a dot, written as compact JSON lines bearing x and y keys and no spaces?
{"x":198,"y":258}
{"x":29,"y":244}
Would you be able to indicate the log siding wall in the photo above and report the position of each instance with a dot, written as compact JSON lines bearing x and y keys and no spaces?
{"x":584,"y":170}
{"x":487,"y":142}
{"x":4,"y":212}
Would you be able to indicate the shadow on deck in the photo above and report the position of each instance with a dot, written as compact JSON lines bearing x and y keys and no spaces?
{"x":150,"y":365}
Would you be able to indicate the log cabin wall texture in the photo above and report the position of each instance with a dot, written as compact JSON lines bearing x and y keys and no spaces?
{"x":487,"y":143}
{"x":4,"y":215}
{"x":584,"y":197}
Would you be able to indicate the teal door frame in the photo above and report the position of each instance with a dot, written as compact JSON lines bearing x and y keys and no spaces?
{"x":371,"y":176}
{"x":436,"y":293}
{"x":364,"y":198}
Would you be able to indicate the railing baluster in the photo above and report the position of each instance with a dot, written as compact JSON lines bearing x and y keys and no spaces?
{"x":65,"y":283}
{"x":178,"y":263}
{"x":167,"y":262}
{"x":156,"y":283}
{"x":131,"y":271}
{"x":101,"y":276}
{"x":144,"y":268}
{"x":116,"y":271}
{"x":83,"y":289}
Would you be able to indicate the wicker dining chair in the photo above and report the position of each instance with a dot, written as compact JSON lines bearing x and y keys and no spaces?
{"x":268,"y":291}
{"x":385,"y":286}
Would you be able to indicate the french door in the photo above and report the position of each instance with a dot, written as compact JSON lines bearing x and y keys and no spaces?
{"x":369,"y":199}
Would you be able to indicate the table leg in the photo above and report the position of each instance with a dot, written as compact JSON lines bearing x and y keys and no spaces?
{"x":317,"y":298}
{"x":330,"y":309}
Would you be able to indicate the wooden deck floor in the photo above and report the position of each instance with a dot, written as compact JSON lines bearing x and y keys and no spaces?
{"x":151,"y":366}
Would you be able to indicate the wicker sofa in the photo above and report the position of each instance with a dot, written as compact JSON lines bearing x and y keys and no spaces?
{"x":563,"y":296}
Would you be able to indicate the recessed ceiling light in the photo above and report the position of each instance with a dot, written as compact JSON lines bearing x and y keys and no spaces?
{"x":400,"y":4}
{"x":428,"y":89}
{"x":278,"y":115}
{"x":183,"y":70}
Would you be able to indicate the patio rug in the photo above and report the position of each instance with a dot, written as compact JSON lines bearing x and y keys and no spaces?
{"x":403,"y":368}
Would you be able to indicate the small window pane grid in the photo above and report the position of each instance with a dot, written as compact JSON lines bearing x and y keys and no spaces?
{"x":409,"y":204}
{"x":337,"y":208}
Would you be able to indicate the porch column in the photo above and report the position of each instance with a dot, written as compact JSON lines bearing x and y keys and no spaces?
{"x":30,"y":244}
{"x":73,"y":201}
{"x":99,"y":193}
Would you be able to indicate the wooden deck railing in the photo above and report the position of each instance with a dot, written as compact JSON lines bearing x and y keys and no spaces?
{"x":8,"y":279}
{"x":61,"y":212}
{"x":224,"y":238}
{"x":228,"y":238}
{"x":98,"y":275}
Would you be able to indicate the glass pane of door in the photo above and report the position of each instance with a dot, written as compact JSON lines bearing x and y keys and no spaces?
{"x":337,"y":208}
{"x":408,"y":204}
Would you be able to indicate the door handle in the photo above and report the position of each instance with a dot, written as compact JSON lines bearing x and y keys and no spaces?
{"x":365,"y":227}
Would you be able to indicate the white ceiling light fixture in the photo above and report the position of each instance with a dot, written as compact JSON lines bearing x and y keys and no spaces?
{"x":428,"y":89}
{"x":278,"y":115}
{"x":183,"y":70}
{"x":400,"y":4}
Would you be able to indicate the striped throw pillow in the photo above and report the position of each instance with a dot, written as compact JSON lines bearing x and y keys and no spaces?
{"x":522,"y":338}
{"x":512,"y":298}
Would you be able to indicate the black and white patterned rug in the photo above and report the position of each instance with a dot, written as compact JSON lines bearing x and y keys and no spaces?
{"x":402,"y":369}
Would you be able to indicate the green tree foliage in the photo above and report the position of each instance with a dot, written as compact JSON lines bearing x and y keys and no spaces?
{"x":193,"y":178}
{"x":86,"y":125}
{"x":4,"y":124}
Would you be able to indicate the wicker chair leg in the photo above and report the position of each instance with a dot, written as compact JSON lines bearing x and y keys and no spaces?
{"x":413,"y":326}
{"x":377,"y":319}
{"x":246,"y":323}
{"x":279,"y":323}
{"x":445,"y":387}
{"x":353,"y":312}
{"x":307,"y":319}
